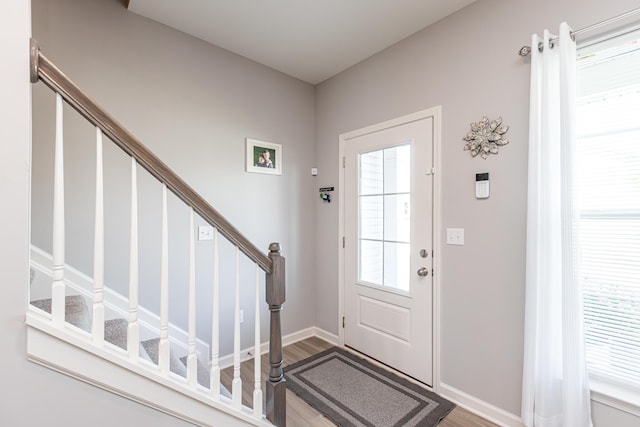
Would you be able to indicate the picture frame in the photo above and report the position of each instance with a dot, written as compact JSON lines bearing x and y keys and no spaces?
{"x":263,"y":157}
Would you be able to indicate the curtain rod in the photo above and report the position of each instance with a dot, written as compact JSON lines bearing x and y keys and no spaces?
{"x":526,"y":50}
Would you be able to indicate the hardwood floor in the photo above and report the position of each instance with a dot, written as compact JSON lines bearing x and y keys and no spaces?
{"x":299,"y":413}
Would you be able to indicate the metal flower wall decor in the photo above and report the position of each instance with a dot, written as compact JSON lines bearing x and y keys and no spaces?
{"x":485,"y":137}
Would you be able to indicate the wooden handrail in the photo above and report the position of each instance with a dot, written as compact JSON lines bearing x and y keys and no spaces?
{"x":44,"y":70}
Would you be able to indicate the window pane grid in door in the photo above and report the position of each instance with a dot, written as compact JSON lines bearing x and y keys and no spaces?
{"x":371,"y":217}
{"x":371,"y":173}
{"x":397,"y":169}
{"x":396,"y":265}
{"x":371,"y":261}
{"x":384,"y":214}
{"x":397,"y":220}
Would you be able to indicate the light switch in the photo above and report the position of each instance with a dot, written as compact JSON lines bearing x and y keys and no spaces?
{"x":205,"y":232}
{"x":455,"y":236}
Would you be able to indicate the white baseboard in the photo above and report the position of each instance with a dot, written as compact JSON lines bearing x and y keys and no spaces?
{"x":312,"y":331}
{"x":485,"y":410}
{"x":327,"y":336}
{"x":303,"y":334}
{"x":119,"y":305}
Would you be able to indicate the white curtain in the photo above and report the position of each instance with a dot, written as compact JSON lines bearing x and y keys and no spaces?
{"x":555,"y":389}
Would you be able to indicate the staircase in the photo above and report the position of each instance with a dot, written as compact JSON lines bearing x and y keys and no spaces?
{"x":115,"y":333}
{"x":81,"y":332}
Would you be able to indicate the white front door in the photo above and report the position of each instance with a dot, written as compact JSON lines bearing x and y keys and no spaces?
{"x":388,"y":225}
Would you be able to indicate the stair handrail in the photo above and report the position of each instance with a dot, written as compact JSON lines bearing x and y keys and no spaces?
{"x":44,"y":70}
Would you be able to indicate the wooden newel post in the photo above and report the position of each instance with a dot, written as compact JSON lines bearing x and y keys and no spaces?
{"x":276,"y":405}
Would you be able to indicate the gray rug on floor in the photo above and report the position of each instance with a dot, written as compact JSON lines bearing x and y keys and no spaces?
{"x":351,"y":391}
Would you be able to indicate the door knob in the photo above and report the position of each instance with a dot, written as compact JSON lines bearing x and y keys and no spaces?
{"x":423,"y":272}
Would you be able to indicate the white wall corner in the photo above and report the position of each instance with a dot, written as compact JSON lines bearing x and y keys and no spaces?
{"x":327,"y":336}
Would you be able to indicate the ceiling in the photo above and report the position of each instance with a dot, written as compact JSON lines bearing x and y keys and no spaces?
{"x":308,"y":39}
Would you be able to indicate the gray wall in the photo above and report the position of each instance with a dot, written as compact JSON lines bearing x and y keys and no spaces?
{"x":193,"y":105}
{"x":468,"y":64}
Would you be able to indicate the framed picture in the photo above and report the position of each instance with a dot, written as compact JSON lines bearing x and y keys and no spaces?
{"x":264,"y":157}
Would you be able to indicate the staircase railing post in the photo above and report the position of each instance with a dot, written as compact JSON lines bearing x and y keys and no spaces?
{"x":276,"y":403}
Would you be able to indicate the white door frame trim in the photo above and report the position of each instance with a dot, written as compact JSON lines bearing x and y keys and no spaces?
{"x":436,"y":114}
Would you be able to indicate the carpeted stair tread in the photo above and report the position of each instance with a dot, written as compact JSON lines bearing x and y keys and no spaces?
{"x":115,"y":332}
{"x":203,"y":371}
{"x":76,"y":310}
{"x":204,"y":376}
{"x":175,"y":365}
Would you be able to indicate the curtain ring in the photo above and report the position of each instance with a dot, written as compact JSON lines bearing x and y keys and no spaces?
{"x":540,"y":47}
{"x":573,"y":35}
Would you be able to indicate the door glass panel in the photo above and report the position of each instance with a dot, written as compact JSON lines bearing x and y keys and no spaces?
{"x":371,"y":259}
{"x":384,"y":204}
{"x":371,"y":173}
{"x":397,"y":169}
{"x":371,"y":217}
{"x":396,"y":265}
{"x":397,"y":224}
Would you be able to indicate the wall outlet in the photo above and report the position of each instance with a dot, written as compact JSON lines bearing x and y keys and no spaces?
{"x":205,"y":232}
{"x":455,"y":236}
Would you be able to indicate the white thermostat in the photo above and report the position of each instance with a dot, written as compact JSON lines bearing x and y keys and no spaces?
{"x":482,"y":185}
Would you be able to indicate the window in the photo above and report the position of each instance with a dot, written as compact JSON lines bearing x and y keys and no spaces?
{"x":608,"y":182}
{"x":384,"y":197}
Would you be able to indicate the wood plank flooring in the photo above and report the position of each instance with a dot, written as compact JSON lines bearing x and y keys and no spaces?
{"x":299,"y":413}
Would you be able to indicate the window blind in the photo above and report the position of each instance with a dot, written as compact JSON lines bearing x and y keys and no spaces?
{"x":608,"y":196}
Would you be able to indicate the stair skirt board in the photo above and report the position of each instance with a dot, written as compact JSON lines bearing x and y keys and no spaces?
{"x":116,"y":305}
{"x":103,"y":367}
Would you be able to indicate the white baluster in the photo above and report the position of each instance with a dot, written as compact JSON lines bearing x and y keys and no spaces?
{"x":257,"y":390}
{"x":236,"y":385}
{"x":164,"y":346}
{"x":215,"y":325}
{"x":58,"y":287}
{"x":133,"y":329}
{"x":192,"y":360}
{"x":98,"y":249}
